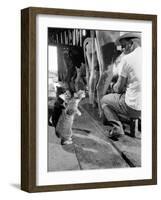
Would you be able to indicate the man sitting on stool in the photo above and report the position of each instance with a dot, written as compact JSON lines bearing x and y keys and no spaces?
{"x":125,"y":102}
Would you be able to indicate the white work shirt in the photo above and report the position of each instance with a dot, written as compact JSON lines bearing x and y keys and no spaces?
{"x":130,"y":67}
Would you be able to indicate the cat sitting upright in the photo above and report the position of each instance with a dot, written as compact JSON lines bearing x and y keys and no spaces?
{"x":65,"y":122}
{"x":59,"y":104}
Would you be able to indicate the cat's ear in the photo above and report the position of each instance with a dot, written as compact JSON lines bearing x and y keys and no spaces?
{"x":75,"y":95}
{"x":62,"y":96}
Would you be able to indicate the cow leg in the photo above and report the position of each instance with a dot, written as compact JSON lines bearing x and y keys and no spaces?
{"x":102,"y":87}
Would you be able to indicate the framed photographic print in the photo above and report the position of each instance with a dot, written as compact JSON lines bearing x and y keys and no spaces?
{"x":88,"y":99}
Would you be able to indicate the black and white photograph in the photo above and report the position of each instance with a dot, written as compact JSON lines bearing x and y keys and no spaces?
{"x":94,"y":99}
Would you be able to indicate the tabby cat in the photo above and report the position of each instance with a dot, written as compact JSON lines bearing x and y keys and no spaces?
{"x":65,"y":122}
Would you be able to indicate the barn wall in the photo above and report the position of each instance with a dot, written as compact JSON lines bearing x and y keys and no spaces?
{"x":69,"y":58}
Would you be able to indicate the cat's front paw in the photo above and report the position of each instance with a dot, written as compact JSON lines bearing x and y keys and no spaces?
{"x":79,"y":113}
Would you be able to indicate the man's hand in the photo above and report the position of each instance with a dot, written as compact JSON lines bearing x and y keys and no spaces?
{"x":120,"y":86}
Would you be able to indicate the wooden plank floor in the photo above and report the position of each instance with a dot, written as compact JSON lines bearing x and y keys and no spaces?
{"x":91,"y":149}
{"x":129,"y":147}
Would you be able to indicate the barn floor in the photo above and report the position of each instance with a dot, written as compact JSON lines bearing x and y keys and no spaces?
{"x":91,"y":148}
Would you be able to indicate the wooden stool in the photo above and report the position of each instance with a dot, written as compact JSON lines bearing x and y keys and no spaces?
{"x":134,"y":124}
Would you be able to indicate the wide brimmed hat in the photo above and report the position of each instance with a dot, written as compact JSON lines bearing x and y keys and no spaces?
{"x":128,"y":36}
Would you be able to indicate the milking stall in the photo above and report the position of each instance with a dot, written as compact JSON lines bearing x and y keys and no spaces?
{"x":86,"y":60}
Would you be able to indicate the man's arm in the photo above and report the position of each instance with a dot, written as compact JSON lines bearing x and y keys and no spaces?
{"x":119,"y":86}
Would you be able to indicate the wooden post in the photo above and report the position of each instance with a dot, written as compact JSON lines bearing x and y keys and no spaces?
{"x":69,"y":37}
{"x":57,"y":39}
{"x":65,"y":36}
{"x":80,"y":37}
{"x":133,"y":127}
{"x":74,"y":38}
{"x":61,"y":38}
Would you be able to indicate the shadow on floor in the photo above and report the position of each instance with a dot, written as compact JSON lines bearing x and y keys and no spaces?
{"x":16,"y":185}
{"x":94,"y":153}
